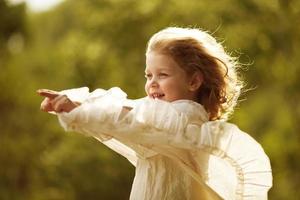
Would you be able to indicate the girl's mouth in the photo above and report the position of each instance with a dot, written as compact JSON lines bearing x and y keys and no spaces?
{"x":157,"y":95}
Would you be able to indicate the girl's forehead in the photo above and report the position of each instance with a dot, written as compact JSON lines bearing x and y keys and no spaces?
{"x":156,"y":61}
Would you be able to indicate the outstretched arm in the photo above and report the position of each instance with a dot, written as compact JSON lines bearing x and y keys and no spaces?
{"x":56,"y":102}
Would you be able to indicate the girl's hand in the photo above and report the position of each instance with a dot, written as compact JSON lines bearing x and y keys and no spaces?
{"x":56,"y":102}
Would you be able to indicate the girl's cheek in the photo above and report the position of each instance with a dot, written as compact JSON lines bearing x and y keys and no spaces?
{"x":146,"y":87}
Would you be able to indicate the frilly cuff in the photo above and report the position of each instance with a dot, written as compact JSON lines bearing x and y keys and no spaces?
{"x":100,"y":107}
{"x":77,"y":94}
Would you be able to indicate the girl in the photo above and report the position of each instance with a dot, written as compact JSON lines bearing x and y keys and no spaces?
{"x":176,"y":137}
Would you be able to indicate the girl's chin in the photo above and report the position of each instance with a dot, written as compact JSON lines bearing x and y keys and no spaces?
{"x":163,"y":99}
{"x":158,"y":98}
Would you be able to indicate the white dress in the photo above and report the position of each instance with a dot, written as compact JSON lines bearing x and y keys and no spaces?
{"x":177,"y":152}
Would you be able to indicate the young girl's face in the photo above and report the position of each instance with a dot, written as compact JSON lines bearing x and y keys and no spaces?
{"x":166,"y":80}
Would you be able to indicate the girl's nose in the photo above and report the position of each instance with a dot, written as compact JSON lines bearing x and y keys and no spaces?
{"x":153,"y":82}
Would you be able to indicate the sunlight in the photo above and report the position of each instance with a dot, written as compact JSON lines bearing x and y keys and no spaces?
{"x":38,"y":5}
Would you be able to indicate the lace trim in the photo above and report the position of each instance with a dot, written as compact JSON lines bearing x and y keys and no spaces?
{"x":239,"y":171}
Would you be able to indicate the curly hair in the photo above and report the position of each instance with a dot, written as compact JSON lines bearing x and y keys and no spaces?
{"x":196,"y":50}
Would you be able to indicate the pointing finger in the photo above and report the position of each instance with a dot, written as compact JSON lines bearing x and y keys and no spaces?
{"x":48,"y":93}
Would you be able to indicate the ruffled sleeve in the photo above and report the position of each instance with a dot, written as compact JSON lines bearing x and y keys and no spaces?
{"x":234,"y":164}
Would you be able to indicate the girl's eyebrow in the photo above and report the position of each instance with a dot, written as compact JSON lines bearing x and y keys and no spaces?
{"x":160,"y":69}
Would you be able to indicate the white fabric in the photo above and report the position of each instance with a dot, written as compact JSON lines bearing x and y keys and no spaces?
{"x":177,"y":152}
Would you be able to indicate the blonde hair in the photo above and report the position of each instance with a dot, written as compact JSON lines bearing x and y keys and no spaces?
{"x":196,"y":50}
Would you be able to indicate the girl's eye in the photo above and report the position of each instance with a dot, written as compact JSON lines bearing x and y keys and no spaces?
{"x":148,"y":76}
{"x":162,"y":75}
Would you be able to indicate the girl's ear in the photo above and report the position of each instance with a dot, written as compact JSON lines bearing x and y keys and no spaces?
{"x":196,"y":81}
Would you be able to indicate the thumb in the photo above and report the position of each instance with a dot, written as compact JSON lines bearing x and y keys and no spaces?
{"x":46,"y":105}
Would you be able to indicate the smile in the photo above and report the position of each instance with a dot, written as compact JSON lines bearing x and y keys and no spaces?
{"x":157,"y":95}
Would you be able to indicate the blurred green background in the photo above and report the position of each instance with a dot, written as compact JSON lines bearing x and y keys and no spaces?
{"x":101,"y":43}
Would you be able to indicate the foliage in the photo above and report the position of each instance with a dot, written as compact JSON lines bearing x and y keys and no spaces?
{"x":102,"y":44}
